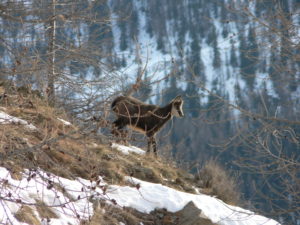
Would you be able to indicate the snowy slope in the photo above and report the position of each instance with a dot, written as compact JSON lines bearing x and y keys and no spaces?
{"x":150,"y":196}
{"x":75,"y":205}
{"x":70,"y":200}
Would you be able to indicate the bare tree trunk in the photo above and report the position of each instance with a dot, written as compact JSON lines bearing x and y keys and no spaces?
{"x":52,"y":56}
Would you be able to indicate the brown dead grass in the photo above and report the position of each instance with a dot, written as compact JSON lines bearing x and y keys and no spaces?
{"x":25,"y":214}
{"x":215,"y":180}
{"x":111,"y":215}
{"x":44,"y":211}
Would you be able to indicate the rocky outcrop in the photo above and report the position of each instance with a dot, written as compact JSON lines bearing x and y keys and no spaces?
{"x":192,"y":215}
{"x":189,"y":215}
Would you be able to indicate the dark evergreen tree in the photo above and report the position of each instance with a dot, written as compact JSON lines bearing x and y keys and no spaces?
{"x":149,"y":27}
{"x":123,"y":36}
{"x":249,"y":57}
{"x":160,"y":44}
{"x":134,"y":25}
{"x":192,"y":100}
{"x":100,"y":34}
{"x":233,"y":57}
{"x":195,"y":60}
{"x":217,"y":57}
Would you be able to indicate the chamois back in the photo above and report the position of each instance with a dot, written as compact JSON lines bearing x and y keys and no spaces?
{"x":131,"y":107}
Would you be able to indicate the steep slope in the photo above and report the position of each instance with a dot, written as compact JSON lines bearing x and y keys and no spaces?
{"x":53,"y":172}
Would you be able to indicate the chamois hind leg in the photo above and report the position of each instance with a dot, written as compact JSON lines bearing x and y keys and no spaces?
{"x":154,"y":146}
{"x":149,"y":145}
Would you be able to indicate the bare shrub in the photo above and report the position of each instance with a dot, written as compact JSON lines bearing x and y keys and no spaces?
{"x":215,"y":180}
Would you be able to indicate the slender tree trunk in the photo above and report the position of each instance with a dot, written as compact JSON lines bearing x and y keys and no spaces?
{"x":52,"y":56}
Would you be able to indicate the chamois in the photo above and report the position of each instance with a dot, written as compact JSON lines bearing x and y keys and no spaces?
{"x":144,"y":118}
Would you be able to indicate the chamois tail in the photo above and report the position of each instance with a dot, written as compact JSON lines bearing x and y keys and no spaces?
{"x":115,"y":102}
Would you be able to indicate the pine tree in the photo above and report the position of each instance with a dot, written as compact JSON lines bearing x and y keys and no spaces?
{"x":195,"y":56}
{"x":192,"y":100}
{"x":134,"y":25}
{"x":233,"y":58}
{"x":249,"y":57}
{"x":123,"y":36}
{"x":217,"y":57}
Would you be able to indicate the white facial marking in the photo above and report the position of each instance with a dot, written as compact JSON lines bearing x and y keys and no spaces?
{"x":181,"y":110}
{"x":177,"y":111}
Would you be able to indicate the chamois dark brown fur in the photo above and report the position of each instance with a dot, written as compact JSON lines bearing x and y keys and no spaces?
{"x":145,"y":118}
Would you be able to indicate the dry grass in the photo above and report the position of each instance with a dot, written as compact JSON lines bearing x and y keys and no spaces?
{"x":214,"y":179}
{"x":44,"y":211}
{"x":25,"y":214}
{"x":111,"y":215}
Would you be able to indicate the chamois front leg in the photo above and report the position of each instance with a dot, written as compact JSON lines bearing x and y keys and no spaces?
{"x":149,"y":145}
{"x":152,"y":143}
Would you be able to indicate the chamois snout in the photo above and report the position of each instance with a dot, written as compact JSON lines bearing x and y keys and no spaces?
{"x":180,"y":113}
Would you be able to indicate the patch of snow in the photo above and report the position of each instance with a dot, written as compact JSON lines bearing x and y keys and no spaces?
{"x":127,"y":149}
{"x":151,"y":196}
{"x":44,"y":187}
{"x":67,"y":123}
{"x":8,"y":119}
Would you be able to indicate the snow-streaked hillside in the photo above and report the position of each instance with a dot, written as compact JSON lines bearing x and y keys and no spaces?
{"x":71,"y":201}
{"x":150,"y":196}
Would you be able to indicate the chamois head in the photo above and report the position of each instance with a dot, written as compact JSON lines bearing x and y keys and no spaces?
{"x":177,"y":107}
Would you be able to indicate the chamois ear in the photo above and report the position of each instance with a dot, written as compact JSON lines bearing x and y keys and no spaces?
{"x":177,"y":99}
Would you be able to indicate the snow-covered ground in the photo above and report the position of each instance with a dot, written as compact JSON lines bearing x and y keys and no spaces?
{"x":66,"y":123}
{"x":74,"y":204}
{"x":151,"y":196}
{"x":127,"y":149}
{"x":38,"y":186}
{"x":8,"y":119}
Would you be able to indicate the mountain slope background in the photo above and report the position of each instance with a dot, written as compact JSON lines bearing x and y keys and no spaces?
{"x":236,"y":63}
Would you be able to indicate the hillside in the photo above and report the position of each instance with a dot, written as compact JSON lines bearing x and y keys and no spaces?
{"x":54,"y":172}
{"x":236,"y":64}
